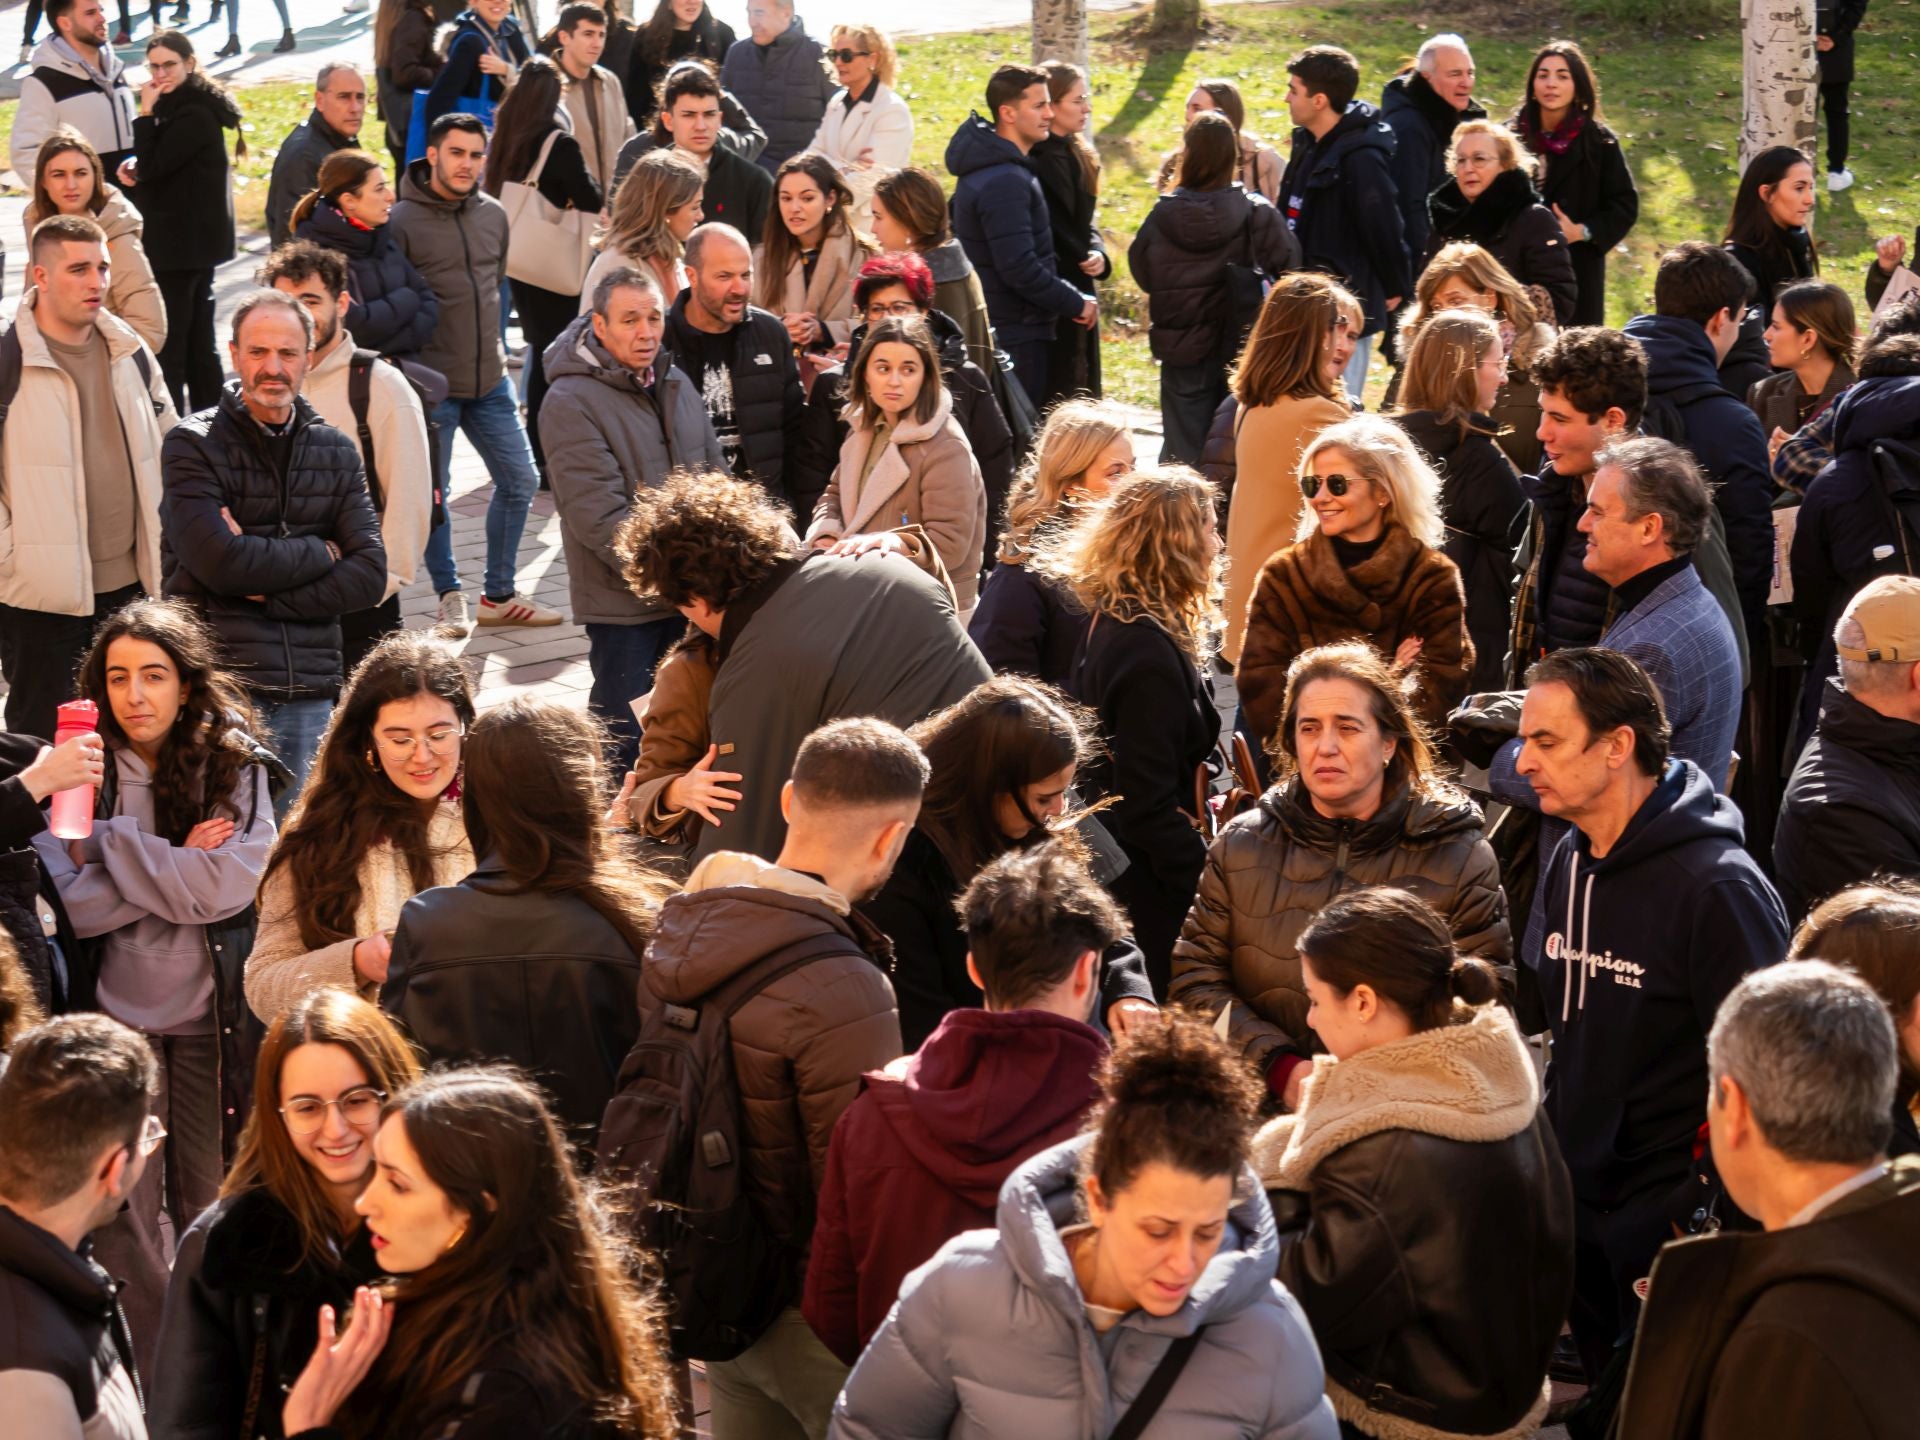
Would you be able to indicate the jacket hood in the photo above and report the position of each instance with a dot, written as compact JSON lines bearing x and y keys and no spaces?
{"x":207,"y":96}
{"x":1488,"y":216}
{"x":948,"y":261}
{"x":333,"y":229}
{"x":1471,"y":1081}
{"x":1403,"y":817}
{"x":1683,"y":808}
{"x":1883,"y":408}
{"x":976,"y":145}
{"x":984,"y":1088}
{"x":578,"y":351}
{"x":704,"y":937}
{"x":1361,"y":128}
{"x":1202,"y":221}
{"x":1043,"y":1196}
{"x":1678,"y":353}
{"x":415,"y":186}
{"x":1844,"y":721}
{"x":1440,"y":441}
{"x":118,"y":217}
{"x":56,"y":54}
{"x":731,"y":867}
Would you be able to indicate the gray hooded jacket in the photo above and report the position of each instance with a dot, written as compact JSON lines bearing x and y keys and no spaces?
{"x":991,"y":1338}
{"x":607,"y":434}
{"x":460,"y":246}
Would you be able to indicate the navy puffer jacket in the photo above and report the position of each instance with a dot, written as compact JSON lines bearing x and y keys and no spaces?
{"x":394,"y":309}
{"x":286,"y":646}
{"x":1001,"y":220}
{"x":785,"y":86}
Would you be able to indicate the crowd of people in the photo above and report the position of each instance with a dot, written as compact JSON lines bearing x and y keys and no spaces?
{"x":897,"y":992}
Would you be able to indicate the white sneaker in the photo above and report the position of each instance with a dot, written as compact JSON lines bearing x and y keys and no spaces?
{"x":354,"y":7}
{"x":26,"y":54}
{"x":517,"y":610}
{"x":454,"y":622}
{"x":1838,"y":180}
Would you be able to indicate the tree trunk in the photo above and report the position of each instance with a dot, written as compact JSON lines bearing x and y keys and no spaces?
{"x":1060,"y":31}
{"x":1780,"y":76}
{"x":1176,"y":17}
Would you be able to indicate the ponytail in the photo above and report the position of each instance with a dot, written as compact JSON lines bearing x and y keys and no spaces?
{"x":304,"y":209}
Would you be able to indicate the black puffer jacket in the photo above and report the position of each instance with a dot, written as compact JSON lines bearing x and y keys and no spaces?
{"x":1180,"y":258}
{"x":1509,"y":221}
{"x":394,"y":309}
{"x":769,"y":407}
{"x":1427,"y":1225}
{"x":1273,"y":869}
{"x":973,"y":406}
{"x":185,"y":194}
{"x":538,"y":979}
{"x":287,"y":645}
{"x":1486,"y":515}
{"x":243,"y":1294}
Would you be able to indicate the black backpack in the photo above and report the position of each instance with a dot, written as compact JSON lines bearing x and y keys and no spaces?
{"x":360,"y":397}
{"x":1896,"y":465}
{"x":674,"y":1139}
{"x":10,"y":361}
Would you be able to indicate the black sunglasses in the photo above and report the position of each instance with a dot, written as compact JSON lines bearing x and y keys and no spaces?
{"x":1337,"y":485}
{"x":847,"y":57}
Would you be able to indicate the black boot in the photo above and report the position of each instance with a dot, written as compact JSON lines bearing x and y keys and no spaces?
{"x":287,"y":43}
{"x":228,"y":50}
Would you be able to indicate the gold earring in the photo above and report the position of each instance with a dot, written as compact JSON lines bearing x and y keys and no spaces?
{"x":372,"y":763}
{"x":455,"y":1239}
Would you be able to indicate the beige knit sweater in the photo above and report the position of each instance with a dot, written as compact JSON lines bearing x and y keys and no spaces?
{"x":281,"y":971}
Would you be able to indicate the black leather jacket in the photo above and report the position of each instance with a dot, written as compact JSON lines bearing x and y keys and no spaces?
{"x":541,"y":980}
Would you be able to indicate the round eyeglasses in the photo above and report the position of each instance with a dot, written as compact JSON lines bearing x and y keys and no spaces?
{"x":897,"y":310}
{"x":441,"y":743}
{"x":359,"y":1108}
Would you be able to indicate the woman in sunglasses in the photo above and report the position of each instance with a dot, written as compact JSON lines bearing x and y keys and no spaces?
{"x":378,"y":822}
{"x":283,"y":1239}
{"x":1366,"y":566}
{"x":867,"y":129}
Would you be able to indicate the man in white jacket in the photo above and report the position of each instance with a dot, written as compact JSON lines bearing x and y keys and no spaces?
{"x":76,"y":80}
{"x":79,"y":471}
{"x":399,"y":473}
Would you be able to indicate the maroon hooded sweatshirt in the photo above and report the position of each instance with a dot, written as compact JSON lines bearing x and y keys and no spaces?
{"x":921,"y":1153}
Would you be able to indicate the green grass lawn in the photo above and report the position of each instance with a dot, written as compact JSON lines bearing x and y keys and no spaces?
{"x":1673,"y":95}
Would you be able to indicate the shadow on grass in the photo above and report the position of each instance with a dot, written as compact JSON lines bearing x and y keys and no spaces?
{"x":1168,"y":58}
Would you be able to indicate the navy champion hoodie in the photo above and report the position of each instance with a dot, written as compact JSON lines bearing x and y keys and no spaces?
{"x":1641,"y":948}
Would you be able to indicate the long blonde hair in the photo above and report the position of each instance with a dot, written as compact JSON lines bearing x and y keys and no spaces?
{"x":1382,"y":453}
{"x":1143,"y":553}
{"x":1478,"y":271}
{"x":1439,"y":375}
{"x":661,"y":183}
{"x":1070,"y":442}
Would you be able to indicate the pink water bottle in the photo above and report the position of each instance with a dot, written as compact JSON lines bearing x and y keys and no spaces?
{"x":72,"y":815}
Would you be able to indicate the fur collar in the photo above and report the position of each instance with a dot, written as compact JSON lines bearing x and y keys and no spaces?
{"x":1382,"y":1426}
{"x":860,"y":500}
{"x":1360,"y":594}
{"x":1473,"y":1081}
{"x":1488,"y":218}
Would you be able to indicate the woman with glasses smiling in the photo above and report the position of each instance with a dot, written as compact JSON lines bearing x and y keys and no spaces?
{"x":284,"y":1238}
{"x":378,"y":822}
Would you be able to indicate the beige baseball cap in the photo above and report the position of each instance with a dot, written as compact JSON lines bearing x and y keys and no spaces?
{"x":1887,"y":610}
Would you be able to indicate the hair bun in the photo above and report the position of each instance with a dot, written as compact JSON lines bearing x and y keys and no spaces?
{"x":1178,"y":1061}
{"x":1473,"y":980}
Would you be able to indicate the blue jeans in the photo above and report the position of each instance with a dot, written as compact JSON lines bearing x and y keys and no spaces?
{"x":623,"y":659}
{"x":295,"y":727}
{"x":1356,"y":371}
{"x":233,"y":17}
{"x":492,"y":423}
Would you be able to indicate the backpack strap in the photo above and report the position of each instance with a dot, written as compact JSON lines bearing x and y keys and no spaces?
{"x":9,"y":371}
{"x":743,"y":985}
{"x":360,"y":397}
{"x":1159,"y":1385}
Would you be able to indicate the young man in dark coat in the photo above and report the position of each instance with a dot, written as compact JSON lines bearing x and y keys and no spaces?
{"x":267,"y":526}
{"x":1421,"y":106}
{"x":1809,"y":1330}
{"x":1852,"y":808}
{"x":693,"y":120}
{"x":921,"y":1154}
{"x":1001,"y":219}
{"x":1654,"y":912}
{"x":1339,"y":194}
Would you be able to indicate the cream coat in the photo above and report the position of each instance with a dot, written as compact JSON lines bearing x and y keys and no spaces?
{"x":43,"y":493}
{"x":616,"y":125}
{"x":883,"y":125}
{"x":131,"y":291}
{"x":1265,"y":513}
{"x":926,"y":477}
{"x":281,"y":971}
{"x":829,"y":294}
{"x":400,"y":454}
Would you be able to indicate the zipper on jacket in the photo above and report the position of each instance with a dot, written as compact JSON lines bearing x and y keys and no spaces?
{"x":466,"y":251}
{"x":1344,"y":829}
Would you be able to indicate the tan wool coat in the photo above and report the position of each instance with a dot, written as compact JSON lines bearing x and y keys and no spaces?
{"x":829,"y":294}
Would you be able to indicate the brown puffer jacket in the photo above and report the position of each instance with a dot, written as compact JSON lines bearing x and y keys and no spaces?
{"x":1305,"y":597}
{"x":1276,"y":866}
{"x":801,"y":1045}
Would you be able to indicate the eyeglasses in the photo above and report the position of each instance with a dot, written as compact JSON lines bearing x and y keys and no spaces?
{"x":151,"y":1134}
{"x":877,"y":312}
{"x":439,"y":742}
{"x":359,"y":1108}
{"x":1337,"y":485}
{"x":847,"y":57}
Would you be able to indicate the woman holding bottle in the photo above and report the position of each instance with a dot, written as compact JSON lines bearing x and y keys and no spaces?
{"x":378,"y":822}
{"x":394,"y":308}
{"x":1069,"y":171}
{"x":810,"y":254}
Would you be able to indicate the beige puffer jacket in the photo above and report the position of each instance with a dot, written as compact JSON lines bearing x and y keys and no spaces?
{"x":131,"y":291}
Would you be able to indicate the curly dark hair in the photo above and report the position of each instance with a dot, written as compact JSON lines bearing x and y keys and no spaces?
{"x":349,"y":806}
{"x":212,"y":738}
{"x":1595,"y":369}
{"x":701,"y":535}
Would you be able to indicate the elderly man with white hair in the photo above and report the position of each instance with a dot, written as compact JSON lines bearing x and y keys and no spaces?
{"x":1421,"y":105}
{"x":1852,"y":808}
{"x":1810,"y":1329}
